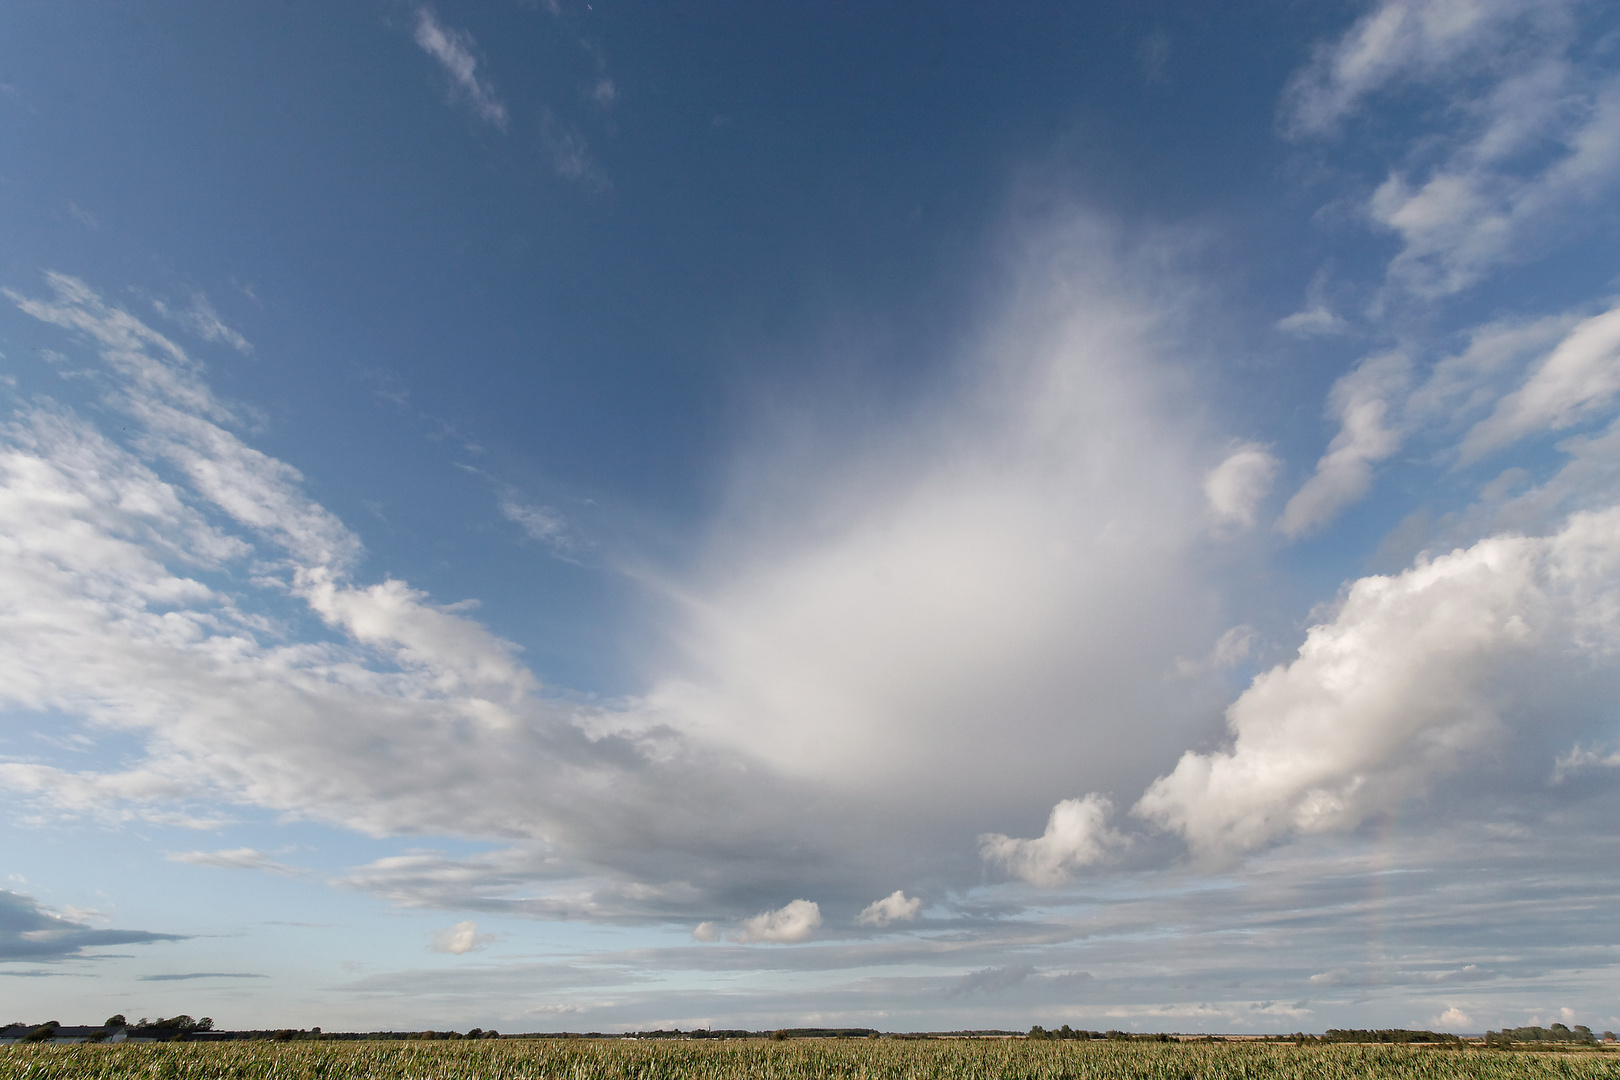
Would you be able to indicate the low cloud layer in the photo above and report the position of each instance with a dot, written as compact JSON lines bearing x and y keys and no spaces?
{"x":29,"y":931}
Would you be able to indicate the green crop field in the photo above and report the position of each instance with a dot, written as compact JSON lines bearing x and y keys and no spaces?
{"x":807,"y":1059}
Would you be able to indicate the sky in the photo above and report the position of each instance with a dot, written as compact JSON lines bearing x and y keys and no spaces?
{"x":556,"y":516}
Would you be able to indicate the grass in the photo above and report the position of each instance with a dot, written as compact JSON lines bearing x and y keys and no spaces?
{"x":807,"y":1059}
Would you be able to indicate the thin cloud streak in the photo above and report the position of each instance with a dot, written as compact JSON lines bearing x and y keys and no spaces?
{"x":454,"y":50}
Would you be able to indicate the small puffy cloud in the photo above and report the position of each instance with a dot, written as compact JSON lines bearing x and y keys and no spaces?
{"x":244,"y":858}
{"x":460,"y":938}
{"x":1580,"y":376}
{"x":1453,"y":1019}
{"x":895,"y":907}
{"x":453,"y":49}
{"x":705,"y":931}
{"x":791,"y":923}
{"x":1362,"y":401}
{"x":1236,"y":486}
{"x":1076,"y":835}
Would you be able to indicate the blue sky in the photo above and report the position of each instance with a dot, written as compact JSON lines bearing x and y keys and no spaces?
{"x":552,"y":516}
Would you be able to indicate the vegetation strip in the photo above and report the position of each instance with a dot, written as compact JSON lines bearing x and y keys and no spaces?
{"x":791,"y":1059}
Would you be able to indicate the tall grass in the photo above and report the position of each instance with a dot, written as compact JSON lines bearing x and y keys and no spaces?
{"x":860,"y":1059}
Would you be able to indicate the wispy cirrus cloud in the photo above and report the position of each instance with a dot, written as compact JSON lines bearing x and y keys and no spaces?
{"x":570,"y":154}
{"x":1404,"y":41}
{"x":455,"y":50}
{"x":1525,"y":142}
{"x":236,"y":859}
{"x":405,"y":712}
{"x":200,"y":317}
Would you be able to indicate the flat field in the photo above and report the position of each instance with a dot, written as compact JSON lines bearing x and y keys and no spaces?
{"x":807,"y":1059}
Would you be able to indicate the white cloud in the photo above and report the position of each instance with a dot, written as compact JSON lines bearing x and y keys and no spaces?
{"x":201,"y":319}
{"x":1530,"y":137}
{"x":706,"y":931}
{"x":571,"y":156}
{"x":154,"y":584}
{"x":109,"y":621}
{"x":1474,"y":212}
{"x":1314,"y":322}
{"x":1453,"y":1020}
{"x":1363,"y":402}
{"x":460,"y":938}
{"x":1579,"y":377}
{"x":1402,"y":40}
{"x":793,"y":922}
{"x":1236,"y":486}
{"x":1581,"y":758}
{"x":1229,"y":650}
{"x":1077,"y":835}
{"x":872,"y":612}
{"x":1395,"y":691}
{"x":453,"y":49}
{"x":82,"y":216}
{"x":541,"y":523}
{"x":154,"y":366}
{"x":896,"y":907}
{"x":235,"y":859}
{"x":1462,"y":386}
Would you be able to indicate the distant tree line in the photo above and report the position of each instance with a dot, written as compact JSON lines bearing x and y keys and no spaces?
{"x":1066,"y":1032}
{"x":1558,"y":1033}
{"x":1378,"y":1035}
